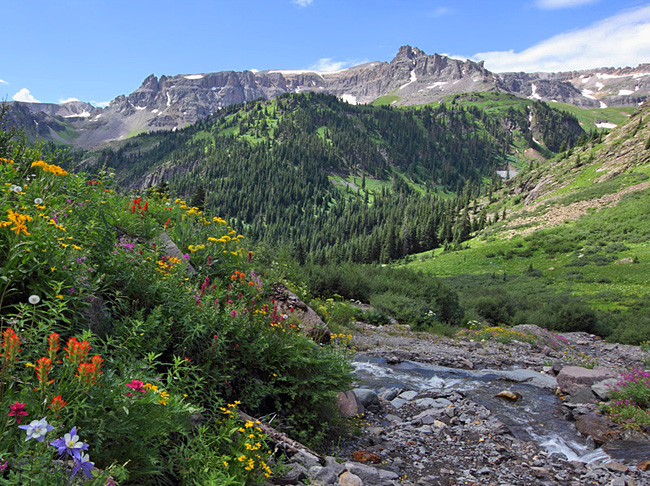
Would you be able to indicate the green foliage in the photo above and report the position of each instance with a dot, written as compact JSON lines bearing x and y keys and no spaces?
{"x":410,"y":297}
{"x":480,"y":332}
{"x":267,"y":166}
{"x":175,"y":331}
{"x":629,"y":402}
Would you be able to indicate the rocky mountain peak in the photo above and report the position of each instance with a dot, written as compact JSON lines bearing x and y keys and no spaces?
{"x":150,"y":83}
{"x":411,"y":77}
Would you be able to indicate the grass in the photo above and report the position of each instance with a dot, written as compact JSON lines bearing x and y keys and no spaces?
{"x":588,"y":117}
{"x":388,"y":99}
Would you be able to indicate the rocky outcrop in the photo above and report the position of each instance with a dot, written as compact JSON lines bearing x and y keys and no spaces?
{"x":288,"y":304}
{"x":571,"y":378}
{"x":411,"y":77}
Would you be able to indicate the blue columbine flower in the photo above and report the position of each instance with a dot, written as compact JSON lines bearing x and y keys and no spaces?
{"x":37,"y":429}
{"x":70,"y":444}
{"x":82,"y":461}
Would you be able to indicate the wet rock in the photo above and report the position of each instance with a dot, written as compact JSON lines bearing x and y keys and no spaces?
{"x":598,"y":427}
{"x":571,"y":378}
{"x":581,"y":395}
{"x":643,"y":465}
{"x":389,"y":393}
{"x":509,"y":395}
{"x":349,"y":405}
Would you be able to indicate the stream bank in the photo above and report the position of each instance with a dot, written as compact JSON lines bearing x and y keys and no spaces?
{"x":431,"y":416}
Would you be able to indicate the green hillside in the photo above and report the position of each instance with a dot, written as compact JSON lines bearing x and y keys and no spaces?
{"x":334,"y":181}
{"x":574,"y":239}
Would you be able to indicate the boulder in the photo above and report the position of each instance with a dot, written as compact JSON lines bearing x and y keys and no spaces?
{"x":171,"y":250}
{"x":570,"y":378}
{"x":598,"y":427}
{"x":368,"y":398}
{"x":293,"y":475}
{"x":368,"y":474}
{"x":349,"y":405}
{"x":581,"y":396}
{"x":603,"y":389}
{"x":408,"y":395}
{"x":287,"y":303}
{"x":305,"y":459}
{"x":349,"y":479}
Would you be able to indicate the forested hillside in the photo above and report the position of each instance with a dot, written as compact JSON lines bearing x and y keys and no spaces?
{"x":337,"y":181}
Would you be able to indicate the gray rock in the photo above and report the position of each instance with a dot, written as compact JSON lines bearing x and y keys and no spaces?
{"x":393,"y":419}
{"x":305,"y":459}
{"x":389,"y":393}
{"x":323,"y":475}
{"x":332,"y":463}
{"x":367,"y":397}
{"x":581,"y":395}
{"x":408,"y":395}
{"x":295,"y":474}
{"x":425,"y":402}
{"x":388,"y":475}
{"x":398,"y":402}
{"x":603,"y":389}
{"x":368,"y":474}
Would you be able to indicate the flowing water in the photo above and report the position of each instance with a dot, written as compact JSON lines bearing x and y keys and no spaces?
{"x":536,"y":417}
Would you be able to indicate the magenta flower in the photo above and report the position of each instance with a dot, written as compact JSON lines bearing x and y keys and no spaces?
{"x":137,"y":385}
{"x":18,"y":411}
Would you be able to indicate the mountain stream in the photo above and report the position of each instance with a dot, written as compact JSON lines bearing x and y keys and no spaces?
{"x":536,"y":417}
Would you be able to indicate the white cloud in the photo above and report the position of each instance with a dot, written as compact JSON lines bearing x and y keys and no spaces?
{"x":24,"y":95}
{"x":303,"y":3}
{"x":100,"y":104}
{"x":328,"y":64}
{"x":2,"y":81}
{"x":621,"y":40}
{"x":69,"y":100}
{"x":440,"y":11}
{"x":555,"y":4}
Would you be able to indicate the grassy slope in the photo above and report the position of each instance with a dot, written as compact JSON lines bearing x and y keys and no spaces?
{"x":612,"y":228}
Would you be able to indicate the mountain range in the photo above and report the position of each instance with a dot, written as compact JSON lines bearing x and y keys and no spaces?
{"x":411,"y":78}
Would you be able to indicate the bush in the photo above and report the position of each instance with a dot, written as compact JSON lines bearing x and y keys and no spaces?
{"x":74,"y":254}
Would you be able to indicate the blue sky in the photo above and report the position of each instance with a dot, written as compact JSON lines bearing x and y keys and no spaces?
{"x":95,"y":50}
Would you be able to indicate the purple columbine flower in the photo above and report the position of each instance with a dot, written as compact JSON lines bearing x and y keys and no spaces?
{"x":37,"y":429}
{"x":83,"y":462}
{"x":70,"y":444}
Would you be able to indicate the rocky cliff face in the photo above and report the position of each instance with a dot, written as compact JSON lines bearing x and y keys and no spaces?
{"x":412,"y":77}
